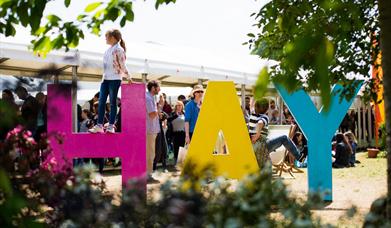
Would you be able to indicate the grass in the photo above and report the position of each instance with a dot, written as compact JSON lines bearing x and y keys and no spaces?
{"x":358,"y":186}
{"x":368,"y":168}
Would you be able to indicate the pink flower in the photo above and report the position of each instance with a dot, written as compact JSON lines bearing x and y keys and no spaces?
{"x":26,"y":134}
{"x":31,"y":140}
{"x":50,"y":163}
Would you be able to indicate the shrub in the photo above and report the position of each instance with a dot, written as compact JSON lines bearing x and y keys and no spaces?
{"x":35,"y":191}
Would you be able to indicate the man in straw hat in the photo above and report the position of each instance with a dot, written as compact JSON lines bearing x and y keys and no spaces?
{"x":191,"y":111}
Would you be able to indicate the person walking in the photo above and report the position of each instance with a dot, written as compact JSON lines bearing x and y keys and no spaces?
{"x":192,"y":110}
{"x":114,"y":70}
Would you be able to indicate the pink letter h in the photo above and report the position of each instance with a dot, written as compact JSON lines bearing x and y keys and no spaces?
{"x":129,"y":144}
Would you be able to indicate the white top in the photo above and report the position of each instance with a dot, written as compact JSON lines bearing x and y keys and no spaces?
{"x":114,"y":66}
{"x":179,"y":123}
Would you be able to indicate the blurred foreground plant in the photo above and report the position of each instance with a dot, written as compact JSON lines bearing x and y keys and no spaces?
{"x":34,"y":191}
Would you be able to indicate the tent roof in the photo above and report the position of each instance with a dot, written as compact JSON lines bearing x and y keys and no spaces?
{"x":181,"y":66}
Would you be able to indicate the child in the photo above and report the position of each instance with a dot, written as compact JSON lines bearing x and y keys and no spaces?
{"x":301,"y":144}
{"x":86,"y":123}
{"x":353,"y":143}
{"x":258,"y":128}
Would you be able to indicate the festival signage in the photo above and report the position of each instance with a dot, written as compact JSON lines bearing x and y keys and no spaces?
{"x":318,"y":127}
{"x":221,"y":112}
{"x":220,"y":117}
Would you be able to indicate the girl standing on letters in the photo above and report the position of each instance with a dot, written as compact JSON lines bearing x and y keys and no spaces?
{"x":114,"y":69}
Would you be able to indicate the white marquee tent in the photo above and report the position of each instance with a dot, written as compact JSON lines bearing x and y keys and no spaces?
{"x":172,"y":66}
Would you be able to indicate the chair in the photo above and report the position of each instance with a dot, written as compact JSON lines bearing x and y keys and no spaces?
{"x":278,"y":156}
{"x":278,"y":161}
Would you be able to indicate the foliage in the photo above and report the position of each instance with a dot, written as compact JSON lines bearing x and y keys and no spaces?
{"x":51,"y":32}
{"x":317,"y":43}
{"x":35,"y":191}
{"x":377,"y":216}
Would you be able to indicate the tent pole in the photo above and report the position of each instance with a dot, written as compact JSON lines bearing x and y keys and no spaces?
{"x":144,"y":77}
{"x":243,"y":96}
{"x":74,"y":98}
{"x":280,"y":107}
{"x":370,"y":124}
{"x":359,"y":123}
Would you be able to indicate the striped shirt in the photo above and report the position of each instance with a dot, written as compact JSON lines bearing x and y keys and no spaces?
{"x":114,"y":65}
{"x":255,"y":120}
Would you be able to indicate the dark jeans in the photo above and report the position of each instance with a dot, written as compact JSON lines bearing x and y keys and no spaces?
{"x":108,"y":88}
{"x":178,"y":141}
{"x":273,"y":144}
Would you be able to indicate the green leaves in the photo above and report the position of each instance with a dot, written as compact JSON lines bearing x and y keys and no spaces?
{"x":36,"y":14}
{"x":67,"y":3}
{"x":112,"y":14}
{"x":58,"y":42}
{"x":260,"y":87}
{"x":10,"y":30}
{"x":22,"y":11}
{"x":5,"y":184}
{"x":56,"y":33}
{"x":91,"y":7}
{"x":160,"y":2}
{"x":316,"y":43}
{"x":3,"y":2}
{"x":53,"y":19}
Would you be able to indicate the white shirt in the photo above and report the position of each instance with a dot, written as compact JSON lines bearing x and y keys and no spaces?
{"x":114,"y":65}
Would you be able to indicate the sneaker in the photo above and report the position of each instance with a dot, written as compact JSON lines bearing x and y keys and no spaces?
{"x":152,"y":180}
{"x":96,"y":129}
{"x":110,"y":129}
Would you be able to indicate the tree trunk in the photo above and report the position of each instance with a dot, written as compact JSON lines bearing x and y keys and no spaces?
{"x":385,"y":45}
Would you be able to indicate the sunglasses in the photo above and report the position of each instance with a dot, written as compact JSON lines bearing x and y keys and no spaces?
{"x":199,"y":92}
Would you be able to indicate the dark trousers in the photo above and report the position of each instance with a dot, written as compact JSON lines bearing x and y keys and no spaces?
{"x":178,"y":141}
{"x":108,"y":88}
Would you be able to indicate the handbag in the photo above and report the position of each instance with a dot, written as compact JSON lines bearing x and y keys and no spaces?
{"x":182,"y":152}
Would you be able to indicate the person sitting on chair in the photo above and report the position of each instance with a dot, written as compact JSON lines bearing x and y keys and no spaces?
{"x":262,"y":145}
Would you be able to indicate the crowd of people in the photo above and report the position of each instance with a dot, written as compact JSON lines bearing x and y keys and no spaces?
{"x":31,"y":113}
{"x":171,"y":127}
{"x":265,"y":112}
{"x":168,"y":128}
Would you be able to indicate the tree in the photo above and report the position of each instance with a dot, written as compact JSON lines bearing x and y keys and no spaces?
{"x":52,"y":32}
{"x":385,"y":36}
{"x":319,"y":43}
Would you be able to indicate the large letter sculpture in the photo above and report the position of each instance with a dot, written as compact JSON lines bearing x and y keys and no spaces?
{"x":318,"y":128}
{"x":221,"y":111}
{"x":129,"y":144}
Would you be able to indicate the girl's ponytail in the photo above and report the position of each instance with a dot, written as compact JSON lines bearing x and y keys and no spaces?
{"x":122,"y":43}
